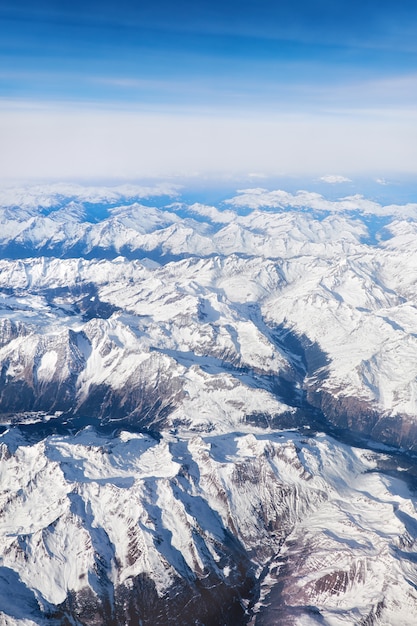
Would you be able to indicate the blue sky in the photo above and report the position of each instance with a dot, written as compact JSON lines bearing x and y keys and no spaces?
{"x":168,"y":87}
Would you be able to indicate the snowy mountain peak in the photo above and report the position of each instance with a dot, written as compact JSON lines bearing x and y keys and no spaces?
{"x":215,"y":405}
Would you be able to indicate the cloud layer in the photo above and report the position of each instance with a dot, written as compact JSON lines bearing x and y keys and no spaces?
{"x":131,"y":89}
{"x":64,"y":142}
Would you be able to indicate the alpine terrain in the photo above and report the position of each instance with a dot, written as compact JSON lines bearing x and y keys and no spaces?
{"x":208,"y":408}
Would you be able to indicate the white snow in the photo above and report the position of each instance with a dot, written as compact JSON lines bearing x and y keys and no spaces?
{"x":47,"y":366}
{"x":270,"y":266}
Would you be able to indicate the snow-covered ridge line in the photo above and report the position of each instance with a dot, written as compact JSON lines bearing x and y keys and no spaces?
{"x":156,"y":233}
{"x":72,"y":221}
{"x":218,"y":528}
{"x":191,"y":336}
{"x":338,"y":334}
{"x":260,"y":198}
{"x":149,"y":230}
{"x":55,"y":194}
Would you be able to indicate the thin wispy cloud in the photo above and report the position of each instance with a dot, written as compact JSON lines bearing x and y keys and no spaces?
{"x":317,"y":85}
{"x":335,"y":178}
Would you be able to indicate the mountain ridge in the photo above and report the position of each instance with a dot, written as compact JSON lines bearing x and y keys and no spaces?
{"x":223,"y":433}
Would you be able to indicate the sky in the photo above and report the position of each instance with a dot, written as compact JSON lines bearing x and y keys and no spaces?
{"x":128,"y":89}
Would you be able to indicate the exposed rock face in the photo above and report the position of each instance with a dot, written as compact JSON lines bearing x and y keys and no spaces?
{"x":135,"y":342}
{"x":10,"y":330}
{"x":230,"y":529}
{"x":137,"y":602}
{"x":362,"y":418}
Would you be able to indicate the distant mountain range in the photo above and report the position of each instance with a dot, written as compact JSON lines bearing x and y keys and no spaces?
{"x":209,"y":412}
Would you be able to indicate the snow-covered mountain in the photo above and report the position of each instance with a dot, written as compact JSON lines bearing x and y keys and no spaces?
{"x":188,"y":337}
{"x":336,"y":332}
{"x":233,"y":528}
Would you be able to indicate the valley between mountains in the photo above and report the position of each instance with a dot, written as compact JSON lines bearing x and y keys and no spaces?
{"x":208,"y":411}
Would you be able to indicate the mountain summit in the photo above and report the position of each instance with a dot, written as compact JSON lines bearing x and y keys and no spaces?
{"x":209,"y":410}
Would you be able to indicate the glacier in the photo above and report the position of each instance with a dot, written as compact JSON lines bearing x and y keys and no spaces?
{"x":208,"y":412}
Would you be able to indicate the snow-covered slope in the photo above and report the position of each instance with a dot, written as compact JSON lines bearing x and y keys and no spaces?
{"x":190,"y":336}
{"x":230,"y":528}
{"x":341,"y":329}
